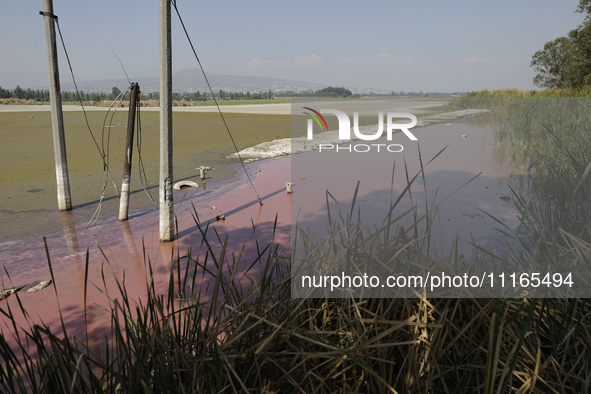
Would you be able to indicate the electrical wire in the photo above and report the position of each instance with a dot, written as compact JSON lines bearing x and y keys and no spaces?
{"x":142,"y":168}
{"x":173,"y":2}
{"x":76,"y":87}
{"x":104,"y":156}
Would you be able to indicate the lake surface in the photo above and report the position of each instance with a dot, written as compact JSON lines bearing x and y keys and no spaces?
{"x":461,"y":180}
{"x":126,"y":250}
{"x":468,"y":176}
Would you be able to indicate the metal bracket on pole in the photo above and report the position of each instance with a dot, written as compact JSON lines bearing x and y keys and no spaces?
{"x":49,"y":14}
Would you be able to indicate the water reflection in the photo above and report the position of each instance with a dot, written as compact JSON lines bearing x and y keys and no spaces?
{"x":466,"y":213}
{"x":133,"y":250}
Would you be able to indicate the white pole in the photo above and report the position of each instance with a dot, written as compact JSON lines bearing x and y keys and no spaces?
{"x":64,"y":199}
{"x":166,"y":201}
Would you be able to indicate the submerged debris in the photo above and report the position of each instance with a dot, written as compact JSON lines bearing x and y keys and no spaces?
{"x":30,"y":288}
{"x":36,"y":286}
{"x":185,"y":185}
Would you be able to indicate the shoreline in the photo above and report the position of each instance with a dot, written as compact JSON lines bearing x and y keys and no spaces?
{"x":296,"y":145}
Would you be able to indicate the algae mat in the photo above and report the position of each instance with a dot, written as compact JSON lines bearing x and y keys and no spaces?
{"x":27,"y":173}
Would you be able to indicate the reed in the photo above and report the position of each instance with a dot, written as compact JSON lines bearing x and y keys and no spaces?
{"x":260,"y":340}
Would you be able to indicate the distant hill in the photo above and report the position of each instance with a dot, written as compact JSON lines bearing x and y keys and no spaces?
{"x":192,"y":81}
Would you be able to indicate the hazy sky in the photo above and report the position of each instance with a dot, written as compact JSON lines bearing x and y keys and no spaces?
{"x":453,"y":45}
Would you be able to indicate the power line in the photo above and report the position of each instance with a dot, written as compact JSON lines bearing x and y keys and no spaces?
{"x":214,"y":99}
{"x":76,"y":87}
{"x":104,"y":156}
{"x":142,"y":168}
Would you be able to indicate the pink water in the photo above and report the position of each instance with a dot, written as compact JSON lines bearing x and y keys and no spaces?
{"x":124,"y":250}
{"x":465,"y":182}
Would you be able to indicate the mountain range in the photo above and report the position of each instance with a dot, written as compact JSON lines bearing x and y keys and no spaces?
{"x":192,"y":81}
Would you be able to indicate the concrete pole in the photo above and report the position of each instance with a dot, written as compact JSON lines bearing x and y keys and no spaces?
{"x":64,"y":199}
{"x":166,"y":201}
{"x":125,"y":185}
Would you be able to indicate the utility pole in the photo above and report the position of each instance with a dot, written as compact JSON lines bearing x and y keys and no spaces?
{"x":64,"y":199}
{"x":166,"y":201}
{"x":125,"y":185}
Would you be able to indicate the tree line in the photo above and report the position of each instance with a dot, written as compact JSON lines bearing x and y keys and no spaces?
{"x":28,"y":94}
{"x":43,"y":95}
{"x":566,"y":61}
{"x":326,"y":92}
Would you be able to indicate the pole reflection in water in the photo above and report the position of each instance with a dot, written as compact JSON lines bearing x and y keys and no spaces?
{"x":133,"y":251}
{"x":79,"y":267}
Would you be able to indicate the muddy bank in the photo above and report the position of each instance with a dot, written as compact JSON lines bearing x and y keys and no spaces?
{"x":27,"y":174}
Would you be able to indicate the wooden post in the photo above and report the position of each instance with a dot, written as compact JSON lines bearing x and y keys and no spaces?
{"x":125,"y":185}
{"x":166,"y":200}
{"x":64,"y":199}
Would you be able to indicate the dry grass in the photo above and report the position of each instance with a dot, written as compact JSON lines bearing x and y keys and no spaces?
{"x":14,"y":101}
{"x":259,"y":339}
{"x":512,"y":92}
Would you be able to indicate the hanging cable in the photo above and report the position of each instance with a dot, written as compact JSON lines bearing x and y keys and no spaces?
{"x":106,"y":171}
{"x":121,"y":63}
{"x":214,"y":99}
{"x":76,"y":87}
{"x":104,"y":153}
{"x":142,"y":168}
{"x":104,"y":156}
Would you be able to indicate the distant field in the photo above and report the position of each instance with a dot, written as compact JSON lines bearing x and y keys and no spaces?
{"x":27,"y":173}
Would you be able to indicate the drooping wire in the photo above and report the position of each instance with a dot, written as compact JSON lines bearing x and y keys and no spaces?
{"x":106,"y":172}
{"x":104,"y":156}
{"x":173,"y":2}
{"x":121,"y":63}
{"x":142,"y":168}
{"x":76,"y":87}
{"x":104,"y":153}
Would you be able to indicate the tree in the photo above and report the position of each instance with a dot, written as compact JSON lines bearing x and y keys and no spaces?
{"x":333,"y":92}
{"x":566,"y":61}
{"x":19,"y":93}
{"x":551,"y":64}
{"x":5,"y":93}
{"x":95,"y":97}
{"x":584,"y":7}
{"x":115,"y":92}
{"x":579,"y":58}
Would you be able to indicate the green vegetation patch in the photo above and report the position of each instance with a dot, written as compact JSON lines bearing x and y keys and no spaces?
{"x":27,"y":155}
